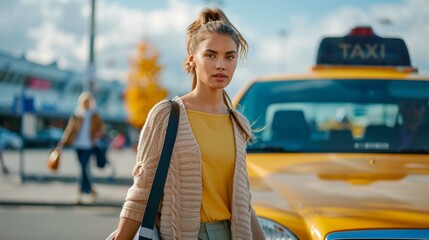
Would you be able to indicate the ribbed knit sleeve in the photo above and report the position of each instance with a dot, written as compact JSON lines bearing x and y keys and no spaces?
{"x":148,"y":152}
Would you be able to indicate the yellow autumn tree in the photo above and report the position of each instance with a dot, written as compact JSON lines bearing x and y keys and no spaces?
{"x":143,"y":89}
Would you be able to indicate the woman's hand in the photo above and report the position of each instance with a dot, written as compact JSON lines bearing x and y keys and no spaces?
{"x":127,"y":228}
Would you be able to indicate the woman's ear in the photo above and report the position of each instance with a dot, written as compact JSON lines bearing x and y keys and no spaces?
{"x":191,"y":60}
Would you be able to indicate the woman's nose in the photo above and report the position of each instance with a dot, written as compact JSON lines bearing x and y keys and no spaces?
{"x":220,"y":65}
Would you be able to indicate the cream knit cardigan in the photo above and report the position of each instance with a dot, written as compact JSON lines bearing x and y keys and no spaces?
{"x":181,"y":203}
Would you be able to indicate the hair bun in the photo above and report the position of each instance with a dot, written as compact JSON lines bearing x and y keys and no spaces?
{"x":211,"y":15}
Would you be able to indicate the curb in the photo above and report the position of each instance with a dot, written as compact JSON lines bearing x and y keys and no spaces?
{"x":72,"y":179}
{"x":60,"y":204}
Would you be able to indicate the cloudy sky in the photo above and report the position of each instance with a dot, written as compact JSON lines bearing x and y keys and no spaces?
{"x":283,"y":34}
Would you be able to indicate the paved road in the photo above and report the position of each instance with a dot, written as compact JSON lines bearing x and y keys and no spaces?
{"x":43,"y":206}
{"x":54,"y":223}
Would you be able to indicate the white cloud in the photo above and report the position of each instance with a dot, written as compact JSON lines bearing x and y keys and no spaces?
{"x":43,"y":31}
{"x":50,"y":42}
{"x":411,"y":23}
{"x":121,"y":28}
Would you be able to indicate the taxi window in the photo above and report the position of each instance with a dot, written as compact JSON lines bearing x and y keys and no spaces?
{"x":338,"y":115}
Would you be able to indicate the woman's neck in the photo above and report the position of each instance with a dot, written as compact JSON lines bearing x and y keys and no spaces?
{"x":212,"y":102}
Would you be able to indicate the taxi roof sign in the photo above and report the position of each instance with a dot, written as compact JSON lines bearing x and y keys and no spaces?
{"x":363,"y":48}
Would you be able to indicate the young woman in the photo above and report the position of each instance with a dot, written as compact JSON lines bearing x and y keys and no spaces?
{"x":82,"y":131}
{"x":206,"y":195}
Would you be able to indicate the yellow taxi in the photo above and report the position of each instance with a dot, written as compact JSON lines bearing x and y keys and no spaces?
{"x":342,"y":152}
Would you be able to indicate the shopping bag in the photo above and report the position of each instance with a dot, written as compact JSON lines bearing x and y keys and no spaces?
{"x":100,"y":156}
{"x":54,"y":160}
{"x":100,"y":151}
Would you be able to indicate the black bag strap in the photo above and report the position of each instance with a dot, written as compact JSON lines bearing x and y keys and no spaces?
{"x":157,"y":189}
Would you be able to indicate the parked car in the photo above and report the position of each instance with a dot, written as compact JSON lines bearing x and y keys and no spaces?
{"x":9,"y":139}
{"x":44,"y":138}
{"x":50,"y":134}
{"x":333,"y":158}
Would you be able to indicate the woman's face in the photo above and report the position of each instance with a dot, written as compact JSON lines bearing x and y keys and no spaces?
{"x":86,"y":104}
{"x":215,"y":61}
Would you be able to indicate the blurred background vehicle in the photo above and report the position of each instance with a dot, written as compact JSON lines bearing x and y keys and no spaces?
{"x":9,"y":139}
{"x":47,"y":137}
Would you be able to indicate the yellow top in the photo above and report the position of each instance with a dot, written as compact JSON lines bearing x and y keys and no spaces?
{"x":215,"y":137}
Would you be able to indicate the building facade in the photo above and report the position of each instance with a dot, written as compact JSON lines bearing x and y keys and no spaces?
{"x":36,"y":100}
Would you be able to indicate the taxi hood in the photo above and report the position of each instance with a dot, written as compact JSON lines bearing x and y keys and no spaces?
{"x":359,"y":187}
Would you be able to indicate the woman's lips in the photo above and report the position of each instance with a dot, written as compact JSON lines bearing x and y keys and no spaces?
{"x":220,"y":76}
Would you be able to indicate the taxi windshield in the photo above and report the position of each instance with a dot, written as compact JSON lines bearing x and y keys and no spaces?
{"x":334,"y":115}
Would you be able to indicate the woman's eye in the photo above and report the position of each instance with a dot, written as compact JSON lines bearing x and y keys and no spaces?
{"x":230,"y":57}
{"x":210,"y":55}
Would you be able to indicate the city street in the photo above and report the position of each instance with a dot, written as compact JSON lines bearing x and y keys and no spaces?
{"x":49,"y":223}
{"x":43,"y":206}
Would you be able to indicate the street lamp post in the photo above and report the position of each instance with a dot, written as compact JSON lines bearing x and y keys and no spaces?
{"x":91,"y":73}
{"x":385,"y":22}
{"x":282,"y":50}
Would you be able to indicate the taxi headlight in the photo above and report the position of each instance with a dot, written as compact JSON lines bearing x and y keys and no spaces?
{"x":274,"y":230}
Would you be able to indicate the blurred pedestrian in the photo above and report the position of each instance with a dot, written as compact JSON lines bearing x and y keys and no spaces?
{"x":83,"y":129}
{"x":207,"y":183}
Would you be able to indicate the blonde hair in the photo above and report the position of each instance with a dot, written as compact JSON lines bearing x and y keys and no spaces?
{"x":211,"y":21}
{"x":84,"y":96}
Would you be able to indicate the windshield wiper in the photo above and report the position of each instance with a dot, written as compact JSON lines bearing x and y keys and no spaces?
{"x":412,"y":150}
{"x":269,"y":149}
